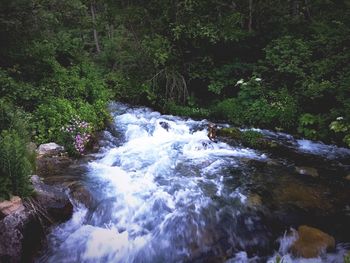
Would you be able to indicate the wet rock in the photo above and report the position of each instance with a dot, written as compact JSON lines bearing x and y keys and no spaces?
{"x":347,"y":257}
{"x":10,"y":206}
{"x":254,"y":200}
{"x":82,"y":195}
{"x":302,"y":196}
{"x":12,"y":237}
{"x":249,"y":138}
{"x":273,"y":162}
{"x":22,"y":231}
{"x":212,"y":128}
{"x":52,"y":166}
{"x":49,"y":149}
{"x":306,"y":171}
{"x":261,"y":163}
{"x":53,"y":200}
{"x":311,"y":242}
{"x":232,"y":133}
{"x":164,"y":125}
{"x":205,"y":146}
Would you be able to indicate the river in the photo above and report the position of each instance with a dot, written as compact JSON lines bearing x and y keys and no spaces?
{"x":163,"y":192}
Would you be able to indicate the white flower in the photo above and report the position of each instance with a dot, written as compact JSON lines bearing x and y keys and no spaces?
{"x":340,"y":118}
{"x":257,"y":79}
{"x":241,"y":81}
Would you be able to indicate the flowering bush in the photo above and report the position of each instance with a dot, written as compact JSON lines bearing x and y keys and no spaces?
{"x":342,"y":127}
{"x":77,"y":135}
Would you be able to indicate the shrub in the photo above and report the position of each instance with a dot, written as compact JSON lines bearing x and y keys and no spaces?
{"x":193,"y":112}
{"x":312,"y":126}
{"x":76,"y":136}
{"x":342,"y":127}
{"x":288,"y":55}
{"x":228,"y":109}
{"x":50,"y":117}
{"x":55,"y":114}
{"x":15,"y":166}
{"x":258,"y":107}
{"x":252,"y":138}
{"x":12,"y":117}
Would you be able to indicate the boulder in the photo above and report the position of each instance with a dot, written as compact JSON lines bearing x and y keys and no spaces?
{"x":53,"y":200}
{"x":164,"y":125}
{"x":306,"y":171}
{"x":232,"y":133}
{"x":347,"y":257}
{"x":49,"y":149}
{"x":52,"y":166}
{"x":83,"y":196}
{"x":303,"y":196}
{"x":10,"y":206}
{"x":12,"y":237}
{"x":254,"y":200}
{"x":311,"y":242}
{"x":22,"y":231}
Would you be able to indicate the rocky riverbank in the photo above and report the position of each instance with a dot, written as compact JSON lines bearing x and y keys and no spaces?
{"x":24,"y":223}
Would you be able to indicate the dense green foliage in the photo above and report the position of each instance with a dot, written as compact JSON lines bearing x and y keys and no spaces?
{"x":16,"y":158}
{"x":47,"y":77}
{"x":275,"y":64}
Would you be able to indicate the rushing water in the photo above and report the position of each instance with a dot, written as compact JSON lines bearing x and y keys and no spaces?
{"x":165,"y":193}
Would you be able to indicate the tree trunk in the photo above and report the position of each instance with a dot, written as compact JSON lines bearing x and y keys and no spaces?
{"x":92,"y":8}
{"x":250,"y":15}
{"x":295,"y":8}
{"x":307,"y":7}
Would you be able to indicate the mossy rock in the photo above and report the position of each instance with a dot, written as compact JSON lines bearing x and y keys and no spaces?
{"x":249,"y":138}
{"x":311,"y":242}
{"x":347,"y":257}
{"x":232,"y":133}
{"x":253,"y":139}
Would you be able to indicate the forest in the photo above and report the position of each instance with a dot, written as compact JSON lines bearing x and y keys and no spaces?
{"x":280,"y":65}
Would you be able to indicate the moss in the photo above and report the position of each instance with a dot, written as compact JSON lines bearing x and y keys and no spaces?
{"x":232,"y":133}
{"x":252,"y":139}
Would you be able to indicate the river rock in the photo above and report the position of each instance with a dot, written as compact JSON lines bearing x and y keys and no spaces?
{"x":22,"y":231}
{"x":52,"y":166}
{"x":12,"y":238}
{"x":164,"y":125}
{"x":311,"y":242}
{"x":306,"y":171}
{"x":232,"y":133}
{"x":9,"y":206}
{"x":49,"y":149}
{"x":272,"y":162}
{"x":83,"y":195}
{"x":254,"y":200}
{"x":53,"y":200}
{"x":302,"y":196}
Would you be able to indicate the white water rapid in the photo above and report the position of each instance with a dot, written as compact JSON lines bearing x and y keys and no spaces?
{"x":163,"y":195}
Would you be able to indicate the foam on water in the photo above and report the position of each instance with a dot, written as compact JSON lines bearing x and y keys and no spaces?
{"x":329,"y":151}
{"x":306,"y":146}
{"x":152,"y":182}
{"x":156,"y":191}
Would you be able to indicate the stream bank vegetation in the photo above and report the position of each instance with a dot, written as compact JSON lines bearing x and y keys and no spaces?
{"x":281,"y":65}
